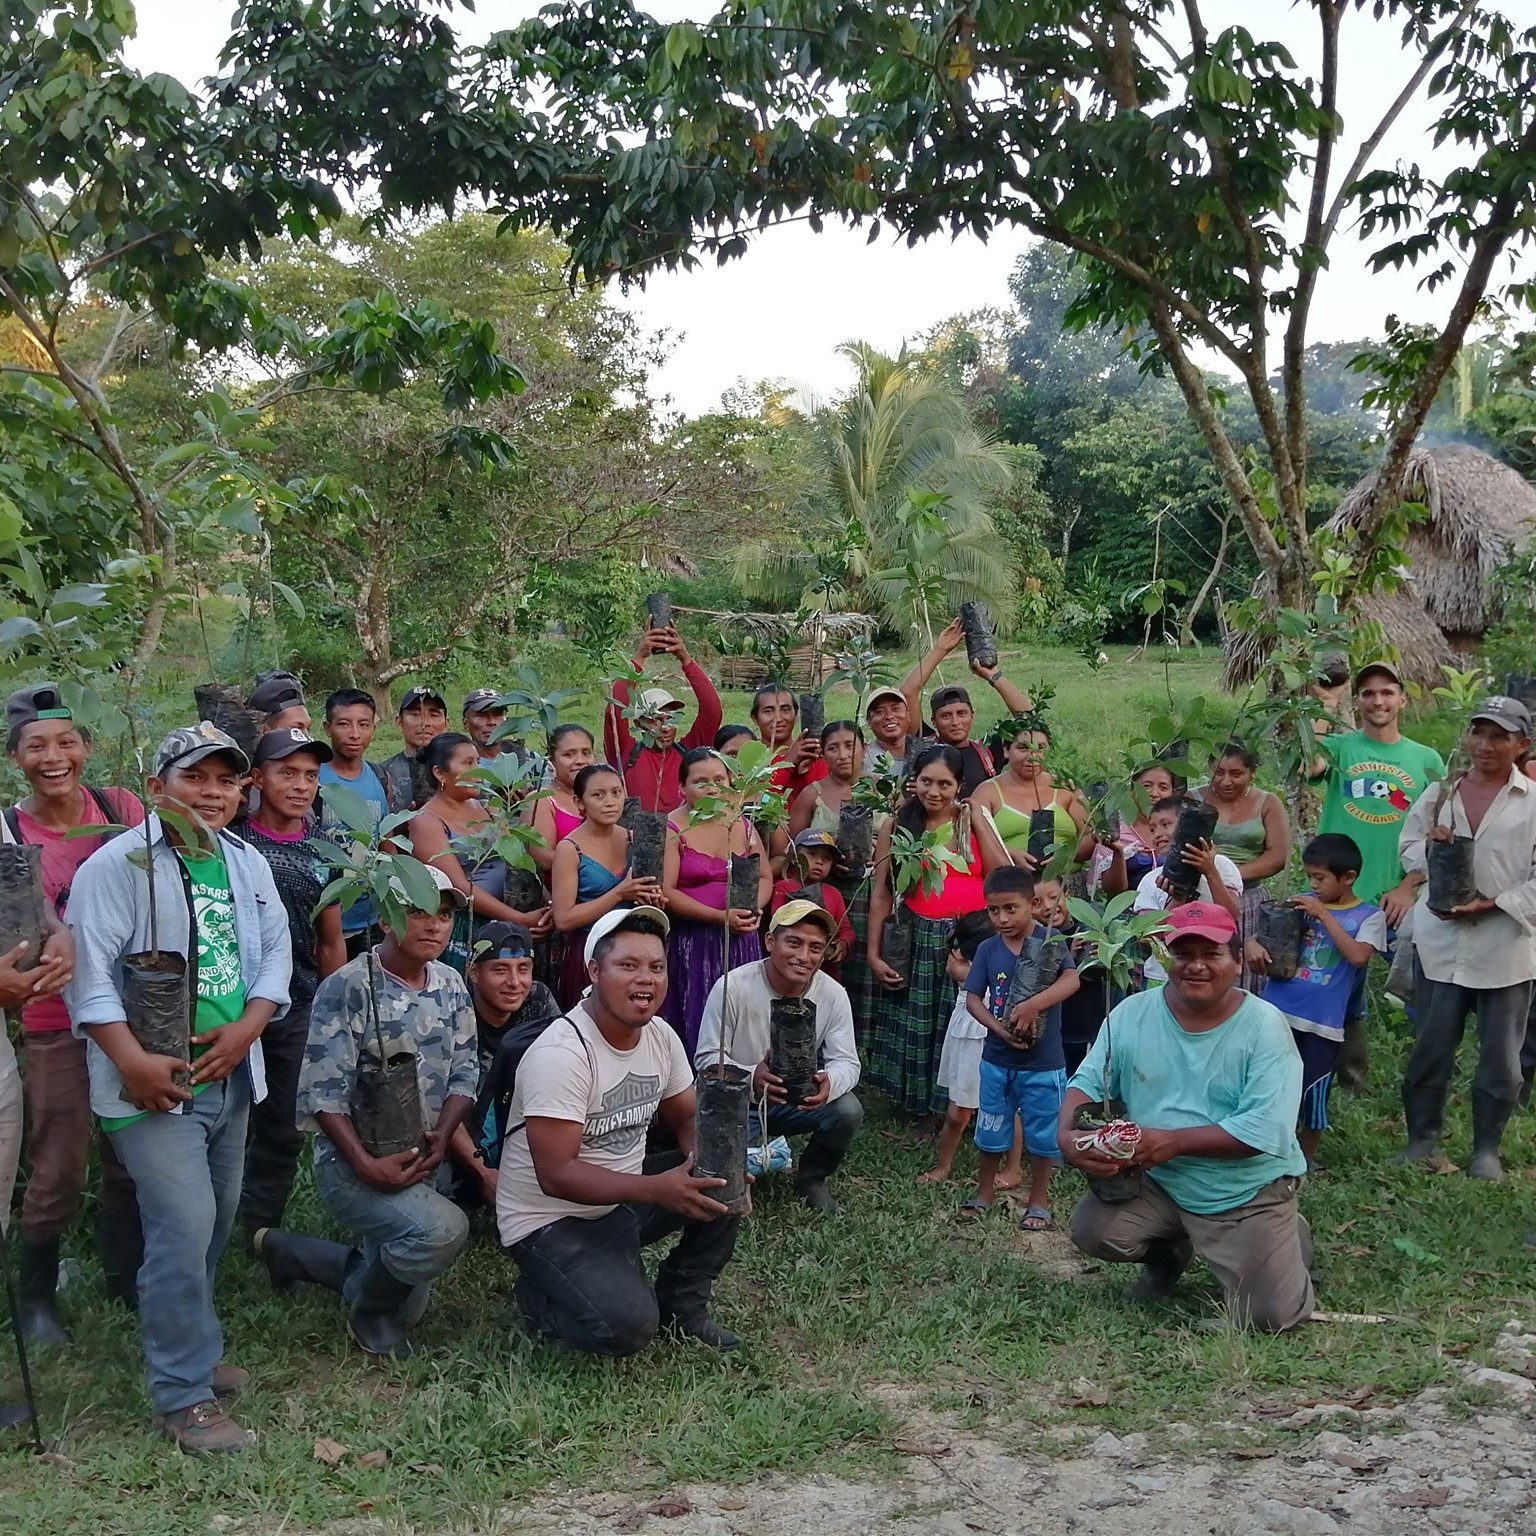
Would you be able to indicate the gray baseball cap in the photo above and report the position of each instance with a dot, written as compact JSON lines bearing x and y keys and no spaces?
{"x":191,"y":744}
{"x":1506,"y":713}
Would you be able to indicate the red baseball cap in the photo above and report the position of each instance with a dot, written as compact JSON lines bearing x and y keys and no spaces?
{"x":1200,"y":920}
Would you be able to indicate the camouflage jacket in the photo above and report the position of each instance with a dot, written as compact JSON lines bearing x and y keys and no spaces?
{"x":436,"y":1025}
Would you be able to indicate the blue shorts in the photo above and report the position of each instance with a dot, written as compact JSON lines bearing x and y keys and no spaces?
{"x":1319,"y":1057}
{"x":1035,"y":1097}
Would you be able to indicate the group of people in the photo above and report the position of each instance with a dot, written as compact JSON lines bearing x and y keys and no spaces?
{"x":527,"y":1044}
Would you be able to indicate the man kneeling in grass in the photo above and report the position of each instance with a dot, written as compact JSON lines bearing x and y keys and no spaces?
{"x":1211,"y":1077}
{"x":396,"y":1002}
{"x":577,"y":1198}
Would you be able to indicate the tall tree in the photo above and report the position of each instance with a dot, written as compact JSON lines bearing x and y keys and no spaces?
{"x":1166,"y":157}
{"x":900,"y":442}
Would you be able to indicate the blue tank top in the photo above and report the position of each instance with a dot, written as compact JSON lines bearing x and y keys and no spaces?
{"x":594,"y":879}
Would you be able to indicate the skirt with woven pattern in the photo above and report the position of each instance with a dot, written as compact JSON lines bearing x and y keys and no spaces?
{"x":906,"y":1034}
{"x":853,"y":970}
{"x":1253,"y":897}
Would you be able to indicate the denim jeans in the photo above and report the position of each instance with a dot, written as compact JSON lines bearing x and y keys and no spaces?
{"x":583,"y":1281}
{"x":186,"y":1169}
{"x":275,"y":1143}
{"x":831,"y":1129}
{"x":415,"y":1233}
{"x":10,"y":1132}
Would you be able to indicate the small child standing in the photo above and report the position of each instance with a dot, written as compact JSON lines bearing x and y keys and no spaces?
{"x":811,"y":862}
{"x":1023,"y":1072}
{"x":1340,"y":938}
{"x":1220,"y":881}
{"x":960,"y":1059}
{"x":1082,"y":1014}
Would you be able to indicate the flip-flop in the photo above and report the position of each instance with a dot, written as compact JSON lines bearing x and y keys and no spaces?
{"x":1036,"y":1218}
{"x":973,"y":1209}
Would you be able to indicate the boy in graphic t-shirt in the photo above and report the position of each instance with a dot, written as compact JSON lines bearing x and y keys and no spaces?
{"x":1337,"y":944}
{"x":1023,"y":1072}
{"x":180,"y":1131}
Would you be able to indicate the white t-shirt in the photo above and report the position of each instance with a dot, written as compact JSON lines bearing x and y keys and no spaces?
{"x":613,"y":1094}
{"x":1151,"y":897}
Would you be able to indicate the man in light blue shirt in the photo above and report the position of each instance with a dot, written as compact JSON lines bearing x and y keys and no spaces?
{"x":1211,"y":1079}
{"x":351,"y":718}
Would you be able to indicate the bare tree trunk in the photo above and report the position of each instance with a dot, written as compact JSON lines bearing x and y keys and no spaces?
{"x":1187,"y":628}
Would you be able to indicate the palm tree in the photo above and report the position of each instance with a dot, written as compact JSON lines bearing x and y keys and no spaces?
{"x":901,"y":438}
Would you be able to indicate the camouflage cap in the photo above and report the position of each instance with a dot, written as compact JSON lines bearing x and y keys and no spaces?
{"x":191,"y":744}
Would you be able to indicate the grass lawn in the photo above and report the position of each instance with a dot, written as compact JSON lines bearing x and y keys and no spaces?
{"x":977,"y":1319}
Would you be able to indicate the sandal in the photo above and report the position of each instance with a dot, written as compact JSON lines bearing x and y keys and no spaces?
{"x":974,"y":1208}
{"x":1037,"y":1218}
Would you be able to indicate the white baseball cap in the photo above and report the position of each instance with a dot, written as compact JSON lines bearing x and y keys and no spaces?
{"x":616,"y":919}
{"x":657,"y":701}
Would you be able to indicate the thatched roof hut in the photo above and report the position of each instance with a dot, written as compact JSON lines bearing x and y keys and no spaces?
{"x":1479,"y":509}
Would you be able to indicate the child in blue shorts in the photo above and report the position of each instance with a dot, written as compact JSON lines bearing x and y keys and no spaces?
{"x":1023,"y":1070}
{"x":1341,"y":935}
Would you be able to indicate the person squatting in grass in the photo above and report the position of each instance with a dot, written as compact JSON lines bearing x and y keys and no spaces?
{"x":577,"y":1198}
{"x":396,"y":1000}
{"x":182,"y":1139}
{"x":1341,"y":935}
{"x":798,"y":936}
{"x":1023,"y":1074}
{"x":1211,"y":1076}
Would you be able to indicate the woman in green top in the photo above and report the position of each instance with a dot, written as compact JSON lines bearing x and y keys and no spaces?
{"x":1026,"y":786}
{"x":1251,"y":830}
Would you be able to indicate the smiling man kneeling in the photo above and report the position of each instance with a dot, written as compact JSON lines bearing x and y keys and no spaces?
{"x":577,"y":1198}
{"x":1212,"y":1077}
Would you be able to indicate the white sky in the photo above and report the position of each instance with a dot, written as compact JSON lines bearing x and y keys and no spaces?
{"x":781,"y":311}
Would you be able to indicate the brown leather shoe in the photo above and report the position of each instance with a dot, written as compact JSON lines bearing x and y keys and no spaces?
{"x":203,"y":1429}
{"x":229,"y":1381}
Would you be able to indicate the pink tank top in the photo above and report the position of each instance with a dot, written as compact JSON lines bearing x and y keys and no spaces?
{"x":566,"y":822}
{"x":702,"y":876}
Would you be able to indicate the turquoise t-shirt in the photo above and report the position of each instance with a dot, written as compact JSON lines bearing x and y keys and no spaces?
{"x":368,"y":784}
{"x":1244,"y":1075}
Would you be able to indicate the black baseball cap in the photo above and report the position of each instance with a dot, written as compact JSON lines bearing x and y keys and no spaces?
{"x":40,"y":701}
{"x":502,"y":941}
{"x":950,"y":694}
{"x":479,"y":700}
{"x":274,"y":692}
{"x":414,"y":697}
{"x":272,"y":745}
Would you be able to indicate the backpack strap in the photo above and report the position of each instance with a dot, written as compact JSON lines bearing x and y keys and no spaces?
{"x":13,"y":823}
{"x":586,"y":1051}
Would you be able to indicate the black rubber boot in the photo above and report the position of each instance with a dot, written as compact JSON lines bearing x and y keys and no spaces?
{"x":294,"y":1260}
{"x":37,"y":1303}
{"x":1167,"y":1258}
{"x":377,"y":1298}
{"x":1424,"y":1115}
{"x":120,"y":1246}
{"x":683,"y":1301}
{"x":825,"y":1151}
{"x":1489,"y":1117}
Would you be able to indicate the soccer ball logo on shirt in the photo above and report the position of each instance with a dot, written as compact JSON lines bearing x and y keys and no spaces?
{"x":1378,"y":794}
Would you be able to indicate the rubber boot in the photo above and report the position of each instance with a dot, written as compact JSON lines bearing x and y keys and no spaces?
{"x":294,"y":1260}
{"x":683,"y":1301}
{"x":1166,"y":1259}
{"x":818,"y":1162}
{"x":37,"y":1302}
{"x":376,"y":1298}
{"x":1424,"y":1114}
{"x":825,"y":1151}
{"x":120,"y":1246}
{"x":1489,"y":1117}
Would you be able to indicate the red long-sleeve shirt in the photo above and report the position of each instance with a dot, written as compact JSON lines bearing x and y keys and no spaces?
{"x":650,"y":773}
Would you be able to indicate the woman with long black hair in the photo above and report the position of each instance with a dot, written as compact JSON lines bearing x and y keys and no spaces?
{"x":912,"y":1011}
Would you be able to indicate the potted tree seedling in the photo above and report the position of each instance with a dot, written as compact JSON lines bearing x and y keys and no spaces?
{"x":918,"y":861}
{"x":1108,"y":942}
{"x":724,"y":1090}
{"x":386,"y":1105}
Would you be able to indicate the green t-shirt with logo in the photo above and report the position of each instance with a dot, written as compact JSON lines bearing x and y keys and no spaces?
{"x":1370,"y":786}
{"x":220,"y":986}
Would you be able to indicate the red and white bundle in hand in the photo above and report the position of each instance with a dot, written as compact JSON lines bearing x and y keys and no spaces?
{"x":1117,"y":1139}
